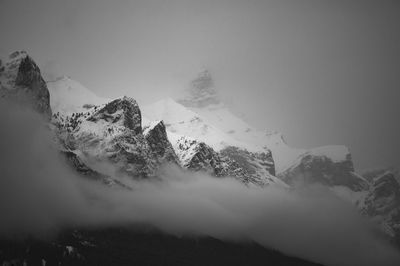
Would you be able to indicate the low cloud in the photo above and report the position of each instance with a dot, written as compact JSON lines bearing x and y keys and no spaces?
{"x":40,"y":194}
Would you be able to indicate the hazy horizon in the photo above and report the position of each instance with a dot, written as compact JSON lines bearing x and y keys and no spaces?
{"x":319,"y":72}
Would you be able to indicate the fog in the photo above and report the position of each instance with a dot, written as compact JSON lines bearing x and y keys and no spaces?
{"x":40,"y":195}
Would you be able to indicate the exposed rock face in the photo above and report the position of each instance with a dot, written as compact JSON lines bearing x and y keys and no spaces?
{"x":125,"y":110}
{"x":157,"y":139}
{"x":383,"y":202}
{"x":384,"y":195}
{"x":251,"y":161}
{"x":249,"y":168}
{"x":376,"y":194}
{"x":372,"y":174}
{"x":198,"y":156}
{"x":21,"y":80}
{"x":113,"y":133}
{"x":318,"y":168}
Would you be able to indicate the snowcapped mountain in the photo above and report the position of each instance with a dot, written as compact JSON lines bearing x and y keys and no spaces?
{"x":181,"y":120}
{"x":113,"y":133}
{"x":197,"y":132}
{"x":69,"y":96}
{"x":201,"y":116}
{"x":199,"y":113}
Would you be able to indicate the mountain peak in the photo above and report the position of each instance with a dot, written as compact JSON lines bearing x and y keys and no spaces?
{"x":124,"y":109}
{"x":17,"y":54}
{"x":200,"y":92}
{"x":9,"y":68}
{"x":21,"y":80}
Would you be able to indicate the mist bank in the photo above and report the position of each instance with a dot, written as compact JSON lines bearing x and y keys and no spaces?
{"x":40,"y":195}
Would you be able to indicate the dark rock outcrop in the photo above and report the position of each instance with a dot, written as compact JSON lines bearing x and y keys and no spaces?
{"x":323,"y":170}
{"x":157,"y":139}
{"x":382,"y":203}
{"x":23,"y":82}
{"x":124,"y":109}
{"x":230,"y":162}
{"x":251,"y":161}
{"x":384,"y":195}
{"x":113,"y":133}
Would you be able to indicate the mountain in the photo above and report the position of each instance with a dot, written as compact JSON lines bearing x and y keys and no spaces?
{"x":196,"y":140}
{"x":330,"y":166}
{"x":382,"y":202}
{"x":201,"y":116}
{"x":201,"y":91}
{"x":21,"y":80}
{"x":109,"y":140}
{"x":88,"y":130}
{"x":113,"y":133}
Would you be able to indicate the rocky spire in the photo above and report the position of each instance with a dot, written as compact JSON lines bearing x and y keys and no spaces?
{"x":200,"y":92}
{"x":21,"y":80}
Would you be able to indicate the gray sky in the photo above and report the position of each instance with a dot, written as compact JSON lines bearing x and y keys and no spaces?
{"x":321,"y":72}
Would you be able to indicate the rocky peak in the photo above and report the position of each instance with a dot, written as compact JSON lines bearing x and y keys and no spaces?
{"x":196,"y":155}
{"x":203,"y":81}
{"x":372,"y":174}
{"x":386,"y":185}
{"x":249,"y":168}
{"x":21,"y":80}
{"x":330,"y":166}
{"x":28,"y":72}
{"x":252,"y":162}
{"x":9,"y":68}
{"x":201,"y":91}
{"x":383,"y":203}
{"x":124,"y":110}
{"x":157,"y":139}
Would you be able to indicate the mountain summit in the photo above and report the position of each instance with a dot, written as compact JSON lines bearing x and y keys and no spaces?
{"x":200,"y":92}
{"x":117,"y":141}
{"x":21,"y":81}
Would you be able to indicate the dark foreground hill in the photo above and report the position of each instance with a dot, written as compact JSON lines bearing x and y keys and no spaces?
{"x":122,"y":246}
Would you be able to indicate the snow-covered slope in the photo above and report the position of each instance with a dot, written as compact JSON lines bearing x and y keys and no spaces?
{"x":202,"y":98}
{"x":68,"y":96}
{"x":200,"y":113}
{"x":203,"y":146}
{"x":179,"y":119}
{"x":220,"y":116}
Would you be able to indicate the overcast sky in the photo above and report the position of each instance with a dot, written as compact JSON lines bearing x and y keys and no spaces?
{"x":321,"y":72}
